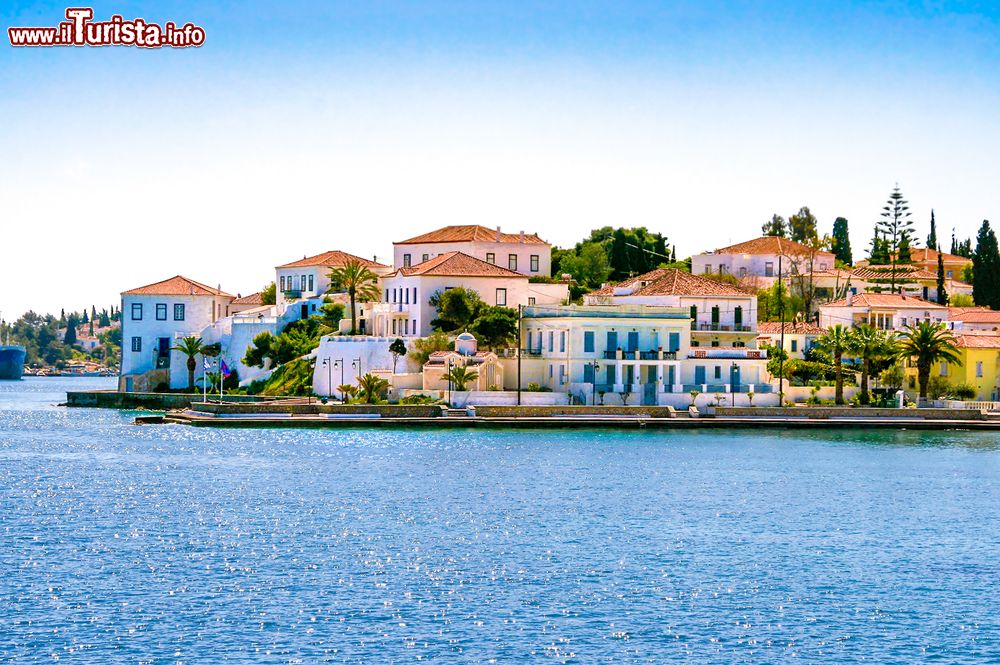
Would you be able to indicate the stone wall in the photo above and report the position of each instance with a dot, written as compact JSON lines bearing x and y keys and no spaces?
{"x":849,"y":412}
{"x":383,"y":410}
{"x":110,"y":399}
{"x":542,"y":411}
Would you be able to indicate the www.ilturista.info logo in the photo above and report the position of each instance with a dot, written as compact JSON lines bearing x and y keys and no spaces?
{"x":81,"y":30}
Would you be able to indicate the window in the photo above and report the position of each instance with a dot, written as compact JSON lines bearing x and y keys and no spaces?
{"x":562,"y":374}
{"x":406,"y":260}
{"x":302,"y":282}
{"x":531,"y":300}
{"x":137,"y":311}
{"x":406,"y":326}
{"x":562,"y":342}
{"x":708,"y":268}
{"x":179,"y":312}
{"x":491,"y":258}
{"x":161,"y":311}
{"x":718,"y":371}
{"x":311,"y":282}
{"x":136,"y":344}
{"x":414,"y":295}
{"x":282,"y":282}
{"x":425,"y":257}
{"x":552,"y":338}
{"x":512,"y":262}
{"x":534,"y":263}
{"x":979,"y":369}
{"x":530,"y":335}
{"x":769,"y":269}
{"x":394,"y":326}
{"x":944,"y":369}
{"x":743,"y":271}
{"x":387,"y":295}
{"x":795,"y":345}
{"x":406,"y":296}
{"x":502,"y":297}
{"x":588,"y":341}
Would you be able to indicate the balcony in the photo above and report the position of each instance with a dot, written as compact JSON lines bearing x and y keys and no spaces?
{"x":531,"y":353}
{"x":641,"y":355}
{"x":734,"y":354}
{"x":292,"y":294}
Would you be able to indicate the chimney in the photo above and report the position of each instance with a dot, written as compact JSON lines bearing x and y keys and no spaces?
{"x":522,"y":237}
{"x":498,"y":234}
{"x":850,"y":298}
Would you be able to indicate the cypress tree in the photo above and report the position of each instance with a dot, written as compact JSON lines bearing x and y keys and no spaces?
{"x":932,"y":236}
{"x":903,"y":255}
{"x":954,"y":245}
{"x":986,"y":266}
{"x":70,"y":338}
{"x":942,"y":295}
{"x":841,"y":246}
{"x":84,"y":319}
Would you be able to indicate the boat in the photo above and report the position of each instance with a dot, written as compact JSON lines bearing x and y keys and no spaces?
{"x":11,"y":363}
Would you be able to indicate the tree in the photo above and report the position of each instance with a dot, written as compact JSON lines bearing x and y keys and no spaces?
{"x":932,"y":242}
{"x":895,"y":226}
{"x":69,"y":339}
{"x":802,"y":225}
{"x":840,"y":242}
{"x":331,"y":313}
{"x":422,"y":348}
{"x":775,"y":227}
{"x":589,"y":267}
{"x":867,"y":343}
{"x":84,"y":319}
{"x":836,"y":341}
{"x":927,"y":343}
{"x":878,"y":252}
{"x":459,"y":375}
{"x":190,"y":347}
{"x":360,"y":284}
{"x":269,"y":295}
{"x":961,"y":300}
{"x":495,"y":327}
{"x":942,"y":295}
{"x":904,"y":256}
{"x":259,"y":350}
{"x":371,"y":389}
{"x":457,"y":308}
{"x":803,"y":266}
{"x":397,"y":349}
{"x":105,"y":320}
{"x":986,"y":268}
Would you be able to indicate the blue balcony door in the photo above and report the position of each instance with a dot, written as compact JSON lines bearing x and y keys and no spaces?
{"x":633,"y":340}
{"x":699,"y":374}
{"x":588,"y":373}
{"x":734,"y":378}
{"x":612,"y":340}
{"x":671,"y":376}
{"x":675,"y":343}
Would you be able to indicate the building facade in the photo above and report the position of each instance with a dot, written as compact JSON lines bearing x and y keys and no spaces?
{"x":881,"y":310}
{"x":518,"y":252}
{"x":762,"y":258}
{"x":309,"y":277}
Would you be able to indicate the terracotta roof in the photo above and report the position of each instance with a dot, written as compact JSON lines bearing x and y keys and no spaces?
{"x":457,"y":264}
{"x":176,"y":286}
{"x":471,"y":233}
{"x":332,"y":259}
{"x":769,"y":245}
{"x":252,"y":299}
{"x":885,"y":300}
{"x":791,"y":328}
{"x":886,"y":271}
{"x":672,"y":282}
{"x":973,"y":315}
{"x":927,"y":254}
{"x":965,"y":340}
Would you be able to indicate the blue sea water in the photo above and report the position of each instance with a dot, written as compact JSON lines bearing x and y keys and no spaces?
{"x":169,"y":544}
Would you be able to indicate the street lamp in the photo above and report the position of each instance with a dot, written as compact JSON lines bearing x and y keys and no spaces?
{"x":356,"y":364}
{"x":593,"y":383}
{"x":329,"y":376}
{"x":340,"y":362}
{"x":732,"y":384}
{"x":451,"y":363}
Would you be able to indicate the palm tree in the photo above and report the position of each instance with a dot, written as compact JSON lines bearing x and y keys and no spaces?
{"x":190,"y":346}
{"x":360,"y":284}
{"x":459,"y":375}
{"x":836,"y":341}
{"x":371,"y":388}
{"x":927,"y":343}
{"x":868,"y":344}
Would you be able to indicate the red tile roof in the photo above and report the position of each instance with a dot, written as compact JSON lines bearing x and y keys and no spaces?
{"x":769,"y":245}
{"x":971,"y":340}
{"x":922,"y":254}
{"x":457,"y":264}
{"x":252,"y":299}
{"x":791,"y":328}
{"x":974,"y":314}
{"x":332,"y":259}
{"x":885,"y":300}
{"x":471,"y":233}
{"x":886,"y":271}
{"x":672,"y":282}
{"x":176,"y":286}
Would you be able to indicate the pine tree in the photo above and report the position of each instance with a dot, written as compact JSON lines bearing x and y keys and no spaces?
{"x":942,"y":295}
{"x":775,"y":227}
{"x":932,"y":236}
{"x":986,"y":266}
{"x":878,"y":254}
{"x":841,"y":242}
{"x":895,"y":226}
{"x":903,"y":254}
{"x":802,"y":226}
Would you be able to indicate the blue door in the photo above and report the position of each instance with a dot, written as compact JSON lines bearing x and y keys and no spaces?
{"x":734,"y":378}
{"x":633,"y":340}
{"x":612,"y":340}
{"x":588,"y":373}
{"x":675,"y":342}
{"x":699,"y":374}
{"x":670,"y":378}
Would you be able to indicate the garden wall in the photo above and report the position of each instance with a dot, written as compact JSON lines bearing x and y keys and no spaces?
{"x":849,"y":412}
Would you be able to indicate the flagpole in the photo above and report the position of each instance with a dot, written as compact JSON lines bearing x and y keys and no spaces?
{"x":222,"y":379}
{"x":204,"y":379}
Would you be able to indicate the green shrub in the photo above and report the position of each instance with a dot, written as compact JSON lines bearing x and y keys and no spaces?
{"x":419,"y":399}
{"x":964,"y":391}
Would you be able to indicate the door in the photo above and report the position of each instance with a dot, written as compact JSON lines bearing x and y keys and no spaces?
{"x":305,"y":312}
{"x":671,"y":379}
{"x":612,"y":340}
{"x":715,"y":318}
{"x":588,"y":373}
{"x":675,"y":342}
{"x":699,"y":374}
{"x":162,"y":352}
{"x":738,"y":318}
{"x":649,"y":394}
{"x":633,"y":340}
{"x":734,"y":378}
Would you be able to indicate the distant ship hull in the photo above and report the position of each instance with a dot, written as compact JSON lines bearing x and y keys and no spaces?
{"x":11,"y":362}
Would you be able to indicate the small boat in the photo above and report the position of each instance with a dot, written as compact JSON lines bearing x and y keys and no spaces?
{"x":11,"y":363}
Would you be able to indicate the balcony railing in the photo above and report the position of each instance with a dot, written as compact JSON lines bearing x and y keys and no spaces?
{"x":719,"y":327}
{"x":735,"y":354}
{"x":531,"y":353}
{"x":292,"y":294}
{"x":640,"y":355}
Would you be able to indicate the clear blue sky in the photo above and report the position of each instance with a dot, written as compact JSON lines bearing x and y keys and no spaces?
{"x":304,"y":127}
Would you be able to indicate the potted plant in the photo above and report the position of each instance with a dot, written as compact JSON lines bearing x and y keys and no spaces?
{"x":694,"y":396}
{"x":750,"y":398}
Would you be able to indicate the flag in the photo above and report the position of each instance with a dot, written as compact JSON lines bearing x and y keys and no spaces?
{"x":206,"y":364}
{"x":224,"y":369}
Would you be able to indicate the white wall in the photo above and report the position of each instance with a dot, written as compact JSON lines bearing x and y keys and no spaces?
{"x":372,"y":351}
{"x":756,"y":264}
{"x":480,"y":250}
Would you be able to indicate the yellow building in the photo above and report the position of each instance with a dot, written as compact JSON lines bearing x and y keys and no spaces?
{"x":979,"y":352}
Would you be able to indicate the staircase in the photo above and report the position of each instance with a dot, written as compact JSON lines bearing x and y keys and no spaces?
{"x":456,"y":413}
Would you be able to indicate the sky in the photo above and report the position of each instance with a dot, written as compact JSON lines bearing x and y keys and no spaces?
{"x":299,"y":128}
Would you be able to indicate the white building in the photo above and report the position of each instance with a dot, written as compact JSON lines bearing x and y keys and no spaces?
{"x":518,"y":252}
{"x":721,"y":314}
{"x":973,"y":318}
{"x":642,"y":350}
{"x":154,"y":317}
{"x":405,"y":310}
{"x":760,"y":258}
{"x":799,"y":336}
{"x":881,"y":310}
{"x":309,"y":277}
